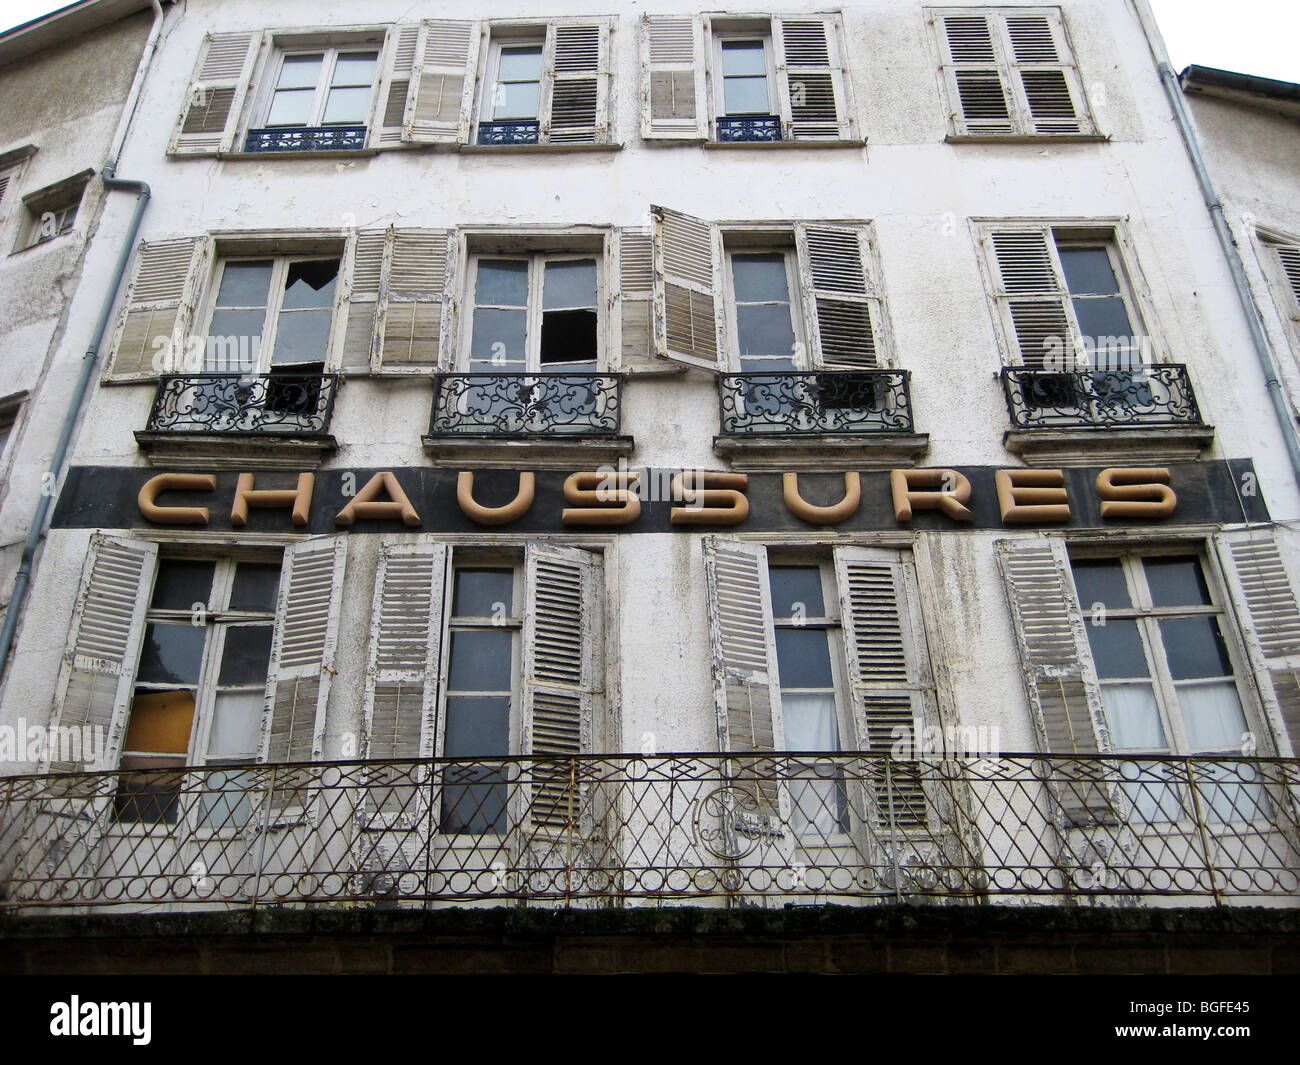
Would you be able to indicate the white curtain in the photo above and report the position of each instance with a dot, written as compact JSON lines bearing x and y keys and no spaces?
{"x":1133,"y":716}
{"x":816,"y":794}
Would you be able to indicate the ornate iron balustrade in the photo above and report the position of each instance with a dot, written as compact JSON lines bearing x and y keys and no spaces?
{"x":230,"y":403}
{"x":532,"y":404}
{"x":745,"y":128}
{"x":823,"y":401}
{"x":518,"y":131}
{"x":1143,"y":396}
{"x":306,"y":139}
{"x":597,"y":830}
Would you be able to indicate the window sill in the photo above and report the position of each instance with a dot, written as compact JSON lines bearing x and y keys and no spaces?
{"x":1026,"y":138}
{"x":821,"y":453}
{"x":1090,"y":445}
{"x":333,"y":153}
{"x":507,"y":149}
{"x":235,"y":451}
{"x":748,"y":145}
{"x":554,"y":452}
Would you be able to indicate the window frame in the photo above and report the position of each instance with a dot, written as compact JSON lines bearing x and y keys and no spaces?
{"x":802,"y":354}
{"x":330,"y":54}
{"x":718,"y":102}
{"x":498,"y":41}
{"x":64,"y":199}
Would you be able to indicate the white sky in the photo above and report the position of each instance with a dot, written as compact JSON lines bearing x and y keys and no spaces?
{"x":1249,"y":36}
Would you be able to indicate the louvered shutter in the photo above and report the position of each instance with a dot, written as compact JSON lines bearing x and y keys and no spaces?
{"x":1265,"y":598}
{"x":367,"y":249}
{"x":443,"y":73}
{"x":672,"y":92}
{"x":396,"y":89}
{"x":1030,"y":294}
{"x":974,"y":76}
{"x":1288,"y":257}
{"x":412,"y":300}
{"x":1051,"y":93}
{"x":562,"y":672}
{"x":156,"y":315}
{"x":687,"y":272}
{"x":4,"y":186}
{"x":887,"y":666}
{"x":636,"y":295}
{"x":841,"y":305}
{"x":576,"y":107}
{"x":811,"y":79}
{"x":209,"y":118}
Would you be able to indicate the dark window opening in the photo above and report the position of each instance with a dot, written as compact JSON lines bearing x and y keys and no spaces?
{"x":568,"y":337}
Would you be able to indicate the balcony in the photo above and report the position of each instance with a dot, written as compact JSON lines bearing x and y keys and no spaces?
{"x":485,"y":418}
{"x":1119,"y":414}
{"x":748,"y":129}
{"x":306,"y":139}
{"x":615,"y":830}
{"x":775,"y":420}
{"x":518,"y":131}
{"x":237,"y":416}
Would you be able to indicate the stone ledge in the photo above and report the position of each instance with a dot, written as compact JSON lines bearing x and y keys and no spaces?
{"x":1088,"y":446}
{"x":768,"y":453}
{"x":537,"y":453}
{"x":234,"y":451}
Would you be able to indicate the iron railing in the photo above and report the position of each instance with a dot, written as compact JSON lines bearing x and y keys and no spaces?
{"x":733,"y":129}
{"x":255,"y":403}
{"x":526,"y":404}
{"x":824,"y":401}
{"x":604,"y":830}
{"x":306,"y":139}
{"x":517,"y":131}
{"x":1143,"y":396}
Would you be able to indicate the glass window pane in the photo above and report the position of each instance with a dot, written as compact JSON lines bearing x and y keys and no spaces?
{"x":347,"y":105}
{"x":291,"y":107}
{"x":172,"y":654}
{"x":480,"y":660}
{"x":1104,"y":317}
{"x":1176,"y":581}
{"x":256,"y":586}
{"x":1133,"y":716}
{"x":300,"y":71}
{"x":498,"y":334}
{"x":766,"y":365}
{"x":796,"y":591}
{"x":151,"y":796}
{"x":517,"y":100}
{"x":1213,"y":716}
{"x":302,"y":336}
{"x":355,"y":68}
{"x":569,"y":283}
{"x":743,"y":57}
{"x":1100,"y":580}
{"x":520,"y":63}
{"x":247,"y":655}
{"x":310,"y":284}
{"x":234,"y":341}
{"x":1195,"y":648}
{"x":1088,"y":270}
{"x":1117,"y":648}
{"x":803,"y":658}
{"x":225,"y":803}
{"x":483,"y":593}
{"x":235,"y":724}
{"x":245,"y":284}
{"x":501,"y":283}
{"x":182,"y":582}
{"x":759,"y":278}
{"x":764,"y":329}
{"x":745,"y":96}
{"x":477,"y":726}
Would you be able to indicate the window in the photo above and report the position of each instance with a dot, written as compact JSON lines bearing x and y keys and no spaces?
{"x":51,"y":212}
{"x":768,"y":332}
{"x":1009,"y":72}
{"x":323,"y":88}
{"x":516,"y":83}
{"x":1282,"y":264}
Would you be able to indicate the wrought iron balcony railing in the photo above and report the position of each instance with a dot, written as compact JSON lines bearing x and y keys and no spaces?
{"x":230,"y":403}
{"x":526,"y":404}
{"x":824,"y":401}
{"x":603,"y":830}
{"x":1140,"y":397}
{"x":517,"y":131}
{"x":733,"y":129}
{"x":306,"y":139}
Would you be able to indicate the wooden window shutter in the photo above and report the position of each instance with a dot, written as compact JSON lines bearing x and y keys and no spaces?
{"x":413,"y":300}
{"x":974,"y":75}
{"x":687,"y":279}
{"x":155,"y":318}
{"x":811,"y":79}
{"x":841,"y":304}
{"x":390,"y":113}
{"x":367,"y":251}
{"x":1049,"y":85}
{"x":209,"y":118}
{"x":576,"y":107}
{"x":1030,"y":293}
{"x":672,"y":91}
{"x":1265,"y":598}
{"x":563,"y":671}
{"x":442,"y":83}
{"x":4,"y":185}
{"x":636,"y":295}
{"x":1288,"y":258}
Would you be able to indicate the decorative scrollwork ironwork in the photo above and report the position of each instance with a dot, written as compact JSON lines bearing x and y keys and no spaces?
{"x":519,"y":131}
{"x":306,"y":139}
{"x":733,"y":129}
{"x":516,"y":404}
{"x":1142,"y":396}
{"x":824,"y":401}
{"x":230,"y":403}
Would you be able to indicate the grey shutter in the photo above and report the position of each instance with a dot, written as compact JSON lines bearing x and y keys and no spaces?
{"x":368,"y":249}
{"x":841,"y":306}
{"x":576,"y":109}
{"x":1045,"y":76}
{"x":563,"y":673}
{"x":636,"y":295}
{"x":391,"y":107}
{"x":443,"y":74}
{"x":158,"y":308}
{"x":1030,"y":293}
{"x":1288,"y":257}
{"x":974,"y":75}
{"x":810,"y":76}
{"x":1264,"y":594}
{"x":412,"y":300}
{"x":672,"y":92}
{"x":209,"y":118}
{"x":4,"y":185}
{"x":687,"y":274}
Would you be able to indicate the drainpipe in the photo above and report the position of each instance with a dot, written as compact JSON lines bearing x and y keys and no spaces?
{"x":1230,"y":252}
{"x":142,"y":193}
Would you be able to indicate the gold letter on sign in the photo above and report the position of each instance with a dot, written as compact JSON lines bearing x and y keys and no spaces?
{"x":915,"y":490}
{"x":1136,"y":493}
{"x":298,"y":498}
{"x":711,"y":498}
{"x":516,"y":508}
{"x":605,"y":505}
{"x":178,"y":482}
{"x":363,"y":504}
{"x":1028,"y":496}
{"x":815,"y":515}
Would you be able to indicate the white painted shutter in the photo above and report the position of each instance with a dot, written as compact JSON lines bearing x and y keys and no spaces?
{"x":390,"y":112}
{"x":1030,"y":292}
{"x":672,"y":92}
{"x":563,"y":671}
{"x":811,"y":80}
{"x":1288,"y":257}
{"x":209,"y":118}
{"x":412,"y":300}
{"x":576,"y":107}
{"x":1265,"y":598}
{"x":687,"y":280}
{"x":4,"y":185}
{"x":975,"y":76}
{"x":636,"y":295}
{"x":841,"y":305}
{"x":443,"y":73}
{"x":1045,"y":79}
{"x":158,"y":307}
{"x":367,"y":250}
